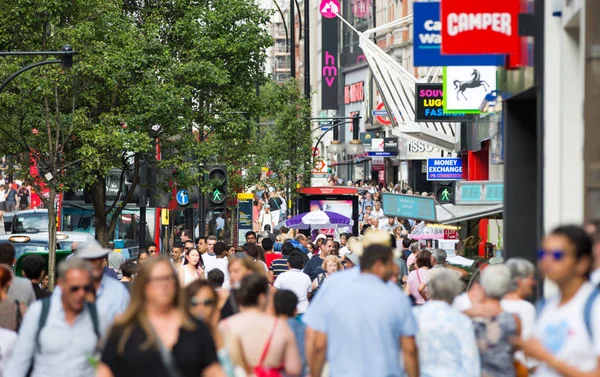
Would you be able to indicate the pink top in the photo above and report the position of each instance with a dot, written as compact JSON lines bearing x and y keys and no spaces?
{"x":412,"y":258}
{"x":415,"y":278}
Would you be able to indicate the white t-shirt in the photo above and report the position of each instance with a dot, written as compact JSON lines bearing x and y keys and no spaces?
{"x":207,"y":258}
{"x":264,"y":219}
{"x":526,"y":312}
{"x":562,"y":331}
{"x":221,"y":264}
{"x":297,"y":282}
{"x":8,"y":339}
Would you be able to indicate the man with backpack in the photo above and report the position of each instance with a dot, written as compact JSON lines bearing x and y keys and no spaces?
{"x":60,"y":334}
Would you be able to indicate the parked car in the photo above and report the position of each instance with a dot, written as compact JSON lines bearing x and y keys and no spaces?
{"x":25,"y":243}
{"x":30,"y":221}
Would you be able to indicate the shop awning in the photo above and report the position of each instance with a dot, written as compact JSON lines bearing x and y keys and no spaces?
{"x":396,"y":85}
{"x":450,"y":213}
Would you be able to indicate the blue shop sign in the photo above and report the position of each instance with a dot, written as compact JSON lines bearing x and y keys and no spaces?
{"x":408,"y":206}
{"x":444,"y":169}
{"x":427,"y":42}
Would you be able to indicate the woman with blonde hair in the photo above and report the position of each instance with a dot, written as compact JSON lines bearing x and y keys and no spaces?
{"x":330,"y":265}
{"x":156,"y":333}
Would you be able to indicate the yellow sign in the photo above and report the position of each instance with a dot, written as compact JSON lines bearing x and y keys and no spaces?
{"x":244,"y":196}
{"x":164,"y":216}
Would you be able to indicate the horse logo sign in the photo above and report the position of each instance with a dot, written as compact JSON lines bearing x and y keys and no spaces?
{"x":476,"y":82}
{"x":465,"y":88}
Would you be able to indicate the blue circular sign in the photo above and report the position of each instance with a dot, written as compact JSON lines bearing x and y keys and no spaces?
{"x":182,"y":197}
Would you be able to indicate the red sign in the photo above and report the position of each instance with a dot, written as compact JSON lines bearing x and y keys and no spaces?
{"x":450,"y":234}
{"x":354,"y":93}
{"x":327,"y":190}
{"x":381,"y":119}
{"x":480,"y":27}
{"x":319,"y":165}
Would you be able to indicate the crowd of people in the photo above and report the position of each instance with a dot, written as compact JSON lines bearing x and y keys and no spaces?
{"x":368,"y":305}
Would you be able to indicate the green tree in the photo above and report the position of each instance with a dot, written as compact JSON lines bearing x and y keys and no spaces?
{"x":288,"y":142}
{"x":182,"y":65}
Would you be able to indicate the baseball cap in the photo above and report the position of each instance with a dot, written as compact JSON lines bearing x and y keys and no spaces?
{"x":91,"y":250}
{"x":353,"y":258}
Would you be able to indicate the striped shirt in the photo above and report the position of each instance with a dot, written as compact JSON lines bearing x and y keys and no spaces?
{"x":279,"y":266}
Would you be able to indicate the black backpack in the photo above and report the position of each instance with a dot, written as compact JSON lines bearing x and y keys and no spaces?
{"x":91,"y":306}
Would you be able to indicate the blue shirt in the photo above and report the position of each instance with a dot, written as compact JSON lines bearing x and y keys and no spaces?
{"x":314,"y":267}
{"x":299,"y":329}
{"x":64,"y":349}
{"x":112,"y":298}
{"x":364,"y":319}
{"x":450,"y":336}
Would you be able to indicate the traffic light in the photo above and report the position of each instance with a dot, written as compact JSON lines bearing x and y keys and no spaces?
{"x":444,"y":192}
{"x":217,"y":185}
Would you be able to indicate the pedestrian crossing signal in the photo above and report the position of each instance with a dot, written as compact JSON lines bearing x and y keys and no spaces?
{"x":444,"y":192}
{"x":217,"y":183}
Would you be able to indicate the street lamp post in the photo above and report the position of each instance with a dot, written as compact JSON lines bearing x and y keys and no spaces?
{"x":66,"y":61}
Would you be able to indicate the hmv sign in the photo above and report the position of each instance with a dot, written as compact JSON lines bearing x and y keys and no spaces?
{"x":330,"y":56}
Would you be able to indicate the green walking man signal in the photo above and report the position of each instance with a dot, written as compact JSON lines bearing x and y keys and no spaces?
{"x":446,"y":195}
{"x":217,"y":195}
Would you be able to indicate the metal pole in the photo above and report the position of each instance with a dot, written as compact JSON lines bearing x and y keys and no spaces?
{"x":201,"y":210}
{"x":143,"y":186}
{"x":292,"y":39}
{"x":307,"y":49}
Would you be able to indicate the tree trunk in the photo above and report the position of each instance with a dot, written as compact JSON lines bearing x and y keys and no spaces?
{"x":51,"y":238}
{"x":98,"y":193}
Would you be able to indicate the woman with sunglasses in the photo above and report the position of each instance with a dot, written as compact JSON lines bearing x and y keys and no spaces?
{"x":191,"y":269}
{"x":566,"y":337}
{"x":156,"y":333}
{"x":203,"y":305}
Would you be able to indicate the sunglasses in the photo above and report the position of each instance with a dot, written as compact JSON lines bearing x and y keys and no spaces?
{"x":194,"y":301}
{"x":76,"y":288}
{"x":556,"y":254}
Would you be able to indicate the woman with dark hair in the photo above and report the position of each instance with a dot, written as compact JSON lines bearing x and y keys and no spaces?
{"x":416,"y":285}
{"x":566,"y":337}
{"x":267,"y":343}
{"x":239,"y":267}
{"x":311,"y":248}
{"x":143,"y":255}
{"x":11,"y":311}
{"x":257,"y":255}
{"x":156,"y":333}
{"x":204,"y":305}
{"x":191,"y":269}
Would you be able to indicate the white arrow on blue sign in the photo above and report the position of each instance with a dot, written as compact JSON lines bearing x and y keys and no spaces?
{"x":182,"y":197}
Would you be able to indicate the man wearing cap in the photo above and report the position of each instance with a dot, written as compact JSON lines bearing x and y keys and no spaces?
{"x":112,"y":298}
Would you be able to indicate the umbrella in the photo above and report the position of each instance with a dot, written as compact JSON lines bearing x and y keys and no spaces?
{"x":318,"y":220}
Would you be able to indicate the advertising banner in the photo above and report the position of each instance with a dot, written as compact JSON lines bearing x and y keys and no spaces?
{"x":329,"y":57}
{"x":427,"y":41}
{"x":429,"y":105}
{"x":465,"y":88}
{"x":444,"y":169}
{"x":383,"y":147}
{"x":480,"y":27}
{"x":244,"y":220}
